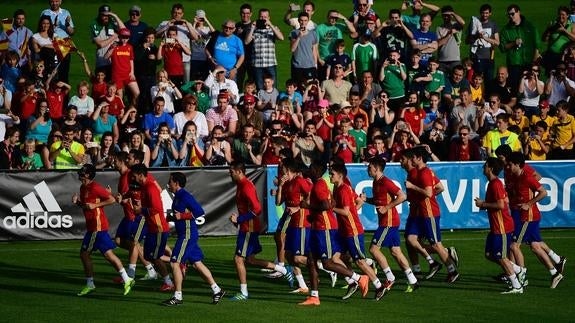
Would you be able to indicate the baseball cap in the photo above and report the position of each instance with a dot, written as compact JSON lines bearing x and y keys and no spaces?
{"x":124,"y":32}
{"x":104,"y":9}
{"x":323,"y":103}
{"x":544,"y":104}
{"x":371,"y":17}
{"x":135,"y":8}
{"x":200,"y":13}
{"x":345,"y":104}
{"x":248,"y":98}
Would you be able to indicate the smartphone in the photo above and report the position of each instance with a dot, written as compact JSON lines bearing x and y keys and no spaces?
{"x":260,"y":24}
{"x":170,"y":40}
{"x":294,"y":7}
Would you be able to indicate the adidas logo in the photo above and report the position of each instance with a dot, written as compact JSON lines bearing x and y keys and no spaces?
{"x":38,"y":215}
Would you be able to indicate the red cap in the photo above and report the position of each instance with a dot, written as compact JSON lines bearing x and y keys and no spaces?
{"x":544,"y":104}
{"x":248,"y":98}
{"x":124,"y":32}
{"x":371,"y":17}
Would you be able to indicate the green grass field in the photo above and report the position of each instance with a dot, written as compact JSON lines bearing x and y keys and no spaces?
{"x":40,"y":281}
{"x":153,"y":12}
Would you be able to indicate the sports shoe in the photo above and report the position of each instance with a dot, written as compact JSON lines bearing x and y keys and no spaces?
{"x":184,"y":269}
{"x":239,"y":297}
{"x":172,"y":302}
{"x":86,"y":290}
{"x":388,"y":284}
{"x":351,"y":289}
{"x":561,"y":265}
{"x":300,"y":290}
{"x":522,"y":277}
{"x":218,"y":296}
{"x":363,"y":285}
{"x":289,"y":276}
{"x":501,"y":278}
{"x":411,"y":288}
{"x":452,"y":252}
{"x":310,"y":301}
{"x":167,"y":287}
{"x":118,"y":280}
{"x":380,"y":292}
{"x":433,"y":269}
{"x":266,"y":270}
{"x":128,"y":285}
{"x":452,"y":277}
{"x":274,"y":275}
{"x":513,"y":291}
{"x":333,"y":276}
{"x":556,"y":279}
{"x":147,"y":276}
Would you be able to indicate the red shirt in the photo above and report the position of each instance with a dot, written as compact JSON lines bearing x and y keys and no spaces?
{"x":384,"y":191}
{"x":173,"y":63}
{"x":122,"y":57}
{"x":127,"y":193}
{"x":414,"y":119}
{"x":116,"y":105}
{"x":99,"y":89}
{"x":349,"y":224}
{"x":324,"y":131}
{"x":247,"y":200}
{"x":500,"y":221}
{"x":321,"y":220}
{"x":56,"y":103}
{"x":293,"y":192}
{"x":511,"y":184}
{"x":152,"y":207}
{"x":526,"y":186}
{"x":427,"y":206}
{"x":28,"y":107}
{"x":345,"y":153}
{"x":411,"y":194}
{"x":96,"y":219}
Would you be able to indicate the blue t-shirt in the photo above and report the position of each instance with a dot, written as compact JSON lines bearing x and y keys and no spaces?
{"x":227,"y":50}
{"x":99,"y":127}
{"x":424,"y":38}
{"x":185,"y":202}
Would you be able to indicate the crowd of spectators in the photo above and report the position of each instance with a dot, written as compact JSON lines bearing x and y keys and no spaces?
{"x":364,"y":84}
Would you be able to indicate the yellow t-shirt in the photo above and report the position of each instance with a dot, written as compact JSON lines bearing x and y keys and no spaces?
{"x":535,"y":151}
{"x":524,"y":123}
{"x":501,"y":139}
{"x":64,"y":160}
{"x":549,"y":120}
{"x":564,"y":131}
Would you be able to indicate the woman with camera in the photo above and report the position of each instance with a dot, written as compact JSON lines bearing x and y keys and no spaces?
{"x":106,"y":151}
{"x":104,"y":122}
{"x":165,"y":152}
{"x":401,"y":139}
{"x":191,"y":146}
{"x":40,"y":123}
{"x":380,"y":115}
{"x":218,"y":150}
{"x":413,"y":114}
{"x":530,"y":89}
{"x":190,"y":113}
{"x":166,"y":89}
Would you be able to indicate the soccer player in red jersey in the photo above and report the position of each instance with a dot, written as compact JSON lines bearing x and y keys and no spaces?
{"x":500,"y":223}
{"x":386,"y":196}
{"x":122,"y":57}
{"x":151,"y":207}
{"x":350,"y":229}
{"x":132,"y":229}
{"x":248,"y":220}
{"x":92,"y":199}
{"x":323,"y":237}
{"x":528,"y":191}
{"x":292,"y":189}
{"x":428,"y":209}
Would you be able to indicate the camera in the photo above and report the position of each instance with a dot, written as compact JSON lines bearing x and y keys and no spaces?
{"x":260,"y":24}
{"x":170,"y":40}
{"x":294,"y":7}
{"x":178,"y":22}
{"x":392,"y":61}
{"x":164,"y":136}
{"x":189,"y":136}
{"x":401,"y":125}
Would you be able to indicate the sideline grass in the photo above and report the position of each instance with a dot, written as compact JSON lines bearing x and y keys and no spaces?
{"x":40,"y":281}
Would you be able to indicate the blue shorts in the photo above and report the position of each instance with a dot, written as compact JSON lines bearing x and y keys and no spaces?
{"x":516,"y":216}
{"x":354,"y":245}
{"x":283,"y":222}
{"x":497,"y":245}
{"x":297,"y":241}
{"x":97,"y":240}
{"x":430,"y":229}
{"x":155,"y":245}
{"x":386,"y":237}
{"x":411,"y":226}
{"x":527,"y":232}
{"x":323,"y":243}
{"x":187,"y":250}
{"x":132,"y":230}
{"x":247,"y":244}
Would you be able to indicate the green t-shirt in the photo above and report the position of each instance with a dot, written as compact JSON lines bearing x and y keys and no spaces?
{"x":392,"y":84}
{"x":34,"y":161}
{"x":437,"y":80}
{"x":360,"y":143}
{"x":327,"y":36}
{"x":519,"y":56}
{"x":365,"y":56}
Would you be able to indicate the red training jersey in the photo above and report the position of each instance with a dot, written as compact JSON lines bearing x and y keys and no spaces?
{"x":321,"y":220}
{"x":384,"y":191}
{"x":349,"y":224}
{"x":411,"y":194}
{"x":511,"y":184}
{"x":293,"y":192}
{"x":526,"y":185}
{"x":247,"y":200}
{"x":127,"y":193}
{"x":152,"y":207}
{"x":427,"y":206}
{"x":96,"y":219}
{"x":122,"y":57}
{"x":500,"y":221}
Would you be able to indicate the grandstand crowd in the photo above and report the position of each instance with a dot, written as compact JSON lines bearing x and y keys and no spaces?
{"x":363,"y":84}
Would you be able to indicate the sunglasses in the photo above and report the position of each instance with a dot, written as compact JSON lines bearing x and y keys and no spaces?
{"x":229,"y":28}
{"x":135,"y":13}
{"x":511,"y":13}
{"x":338,"y":67}
{"x":463,"y":134}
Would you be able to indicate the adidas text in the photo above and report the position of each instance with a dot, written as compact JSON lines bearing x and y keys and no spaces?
{"x":39,"y":221}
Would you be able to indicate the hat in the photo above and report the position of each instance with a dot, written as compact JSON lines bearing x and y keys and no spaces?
{"x":200,"y":13}
{"x":323,"y":103}
{"x":544,"y":104}
{"x":371,"y":17}
{"x":135,"y":8}
{"x":104,"y":9}
{"x":124,"y":32}
{"x":345,"y":104}
{"x":248,"y":98}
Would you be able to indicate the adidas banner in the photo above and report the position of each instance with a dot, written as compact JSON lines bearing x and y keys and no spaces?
{"x":38,"y":205}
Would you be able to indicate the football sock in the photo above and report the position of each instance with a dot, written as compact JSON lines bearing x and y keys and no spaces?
{"x":151,"y":270}
{"x":301,"y":281}
{"x":516,"y":268}
{"x":552,"y":271}
{"x":167,"y":280}
{"x":376,"y":283}
{"x":124,"y":274}
{"x":280,"y":269}
{"x":281,"y":264}
{"x":320,"y":265}
{"x":314,"y":293}
{"x":389,"y":274}
{"x":215,"y":288}
{"x":90,"y":282}
{"x":355,"y":277}
{"x":555,"y":257}
{"x":349,"y":280}
{"x":244,"y":289}
{"x":132,"y":270}
{"x":178,"y":295}
{"x":416,"y":268}
{"x":514,"y":281}
{"x":429,"y":260}
{"x":410,"y":276}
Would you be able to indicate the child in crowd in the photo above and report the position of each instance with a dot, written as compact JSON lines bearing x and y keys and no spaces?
{"x":340,"y":57}
{"x":10,"y":72}
{"x":292,"y":93}
{"x":360,"y":137}
{"x":476,"y":87}
{"x":344,"y":145}
{"x":267,"y":98}
{"x":31,"y":160}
